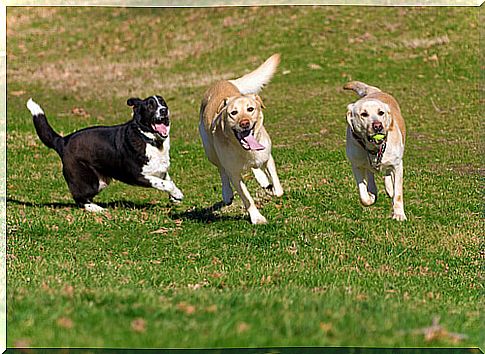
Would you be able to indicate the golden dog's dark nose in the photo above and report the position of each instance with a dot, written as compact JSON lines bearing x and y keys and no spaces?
{"x":377,"y":126}
{"x":244,"y":124}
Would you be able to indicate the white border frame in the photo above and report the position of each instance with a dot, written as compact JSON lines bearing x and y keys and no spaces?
{"x":3,"y":178}
{"x":131,"y":3}
{"x":214,"y":3}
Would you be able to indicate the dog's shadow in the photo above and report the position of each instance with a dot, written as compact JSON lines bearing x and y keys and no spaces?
{"x":205,"y":215}
{"x":59,"y":205}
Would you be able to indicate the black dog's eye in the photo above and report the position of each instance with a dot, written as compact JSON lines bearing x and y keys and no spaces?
{"x":233,"y":113}
{"x":250,"y":109}
{"x":381,"y":113}
{"x":364,"y":114}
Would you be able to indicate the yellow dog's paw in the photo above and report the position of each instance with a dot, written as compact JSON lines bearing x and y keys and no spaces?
{"x":399,"y":216}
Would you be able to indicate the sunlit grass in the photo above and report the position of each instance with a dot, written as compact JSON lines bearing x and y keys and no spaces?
{"x":325,"y":271}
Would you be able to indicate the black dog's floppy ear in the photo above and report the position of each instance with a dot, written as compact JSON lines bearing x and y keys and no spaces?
{"x":133,"y":101}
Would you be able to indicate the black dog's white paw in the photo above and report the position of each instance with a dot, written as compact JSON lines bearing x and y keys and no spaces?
{"x":176,"y":196}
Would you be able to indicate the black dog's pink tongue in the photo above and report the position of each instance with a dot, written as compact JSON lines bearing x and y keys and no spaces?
{"x":253,"y":143}
{"x":161,"y":129}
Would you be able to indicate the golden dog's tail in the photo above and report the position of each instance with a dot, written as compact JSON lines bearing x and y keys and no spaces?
{"x":254,"y":82}
{"x":361,"y":88}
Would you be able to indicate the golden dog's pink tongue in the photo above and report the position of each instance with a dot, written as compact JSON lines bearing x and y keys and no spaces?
{"x":161,"y":129}
{"x":253,"y":143}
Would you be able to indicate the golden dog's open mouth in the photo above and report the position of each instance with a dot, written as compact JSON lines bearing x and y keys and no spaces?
{"x":247,"y":140}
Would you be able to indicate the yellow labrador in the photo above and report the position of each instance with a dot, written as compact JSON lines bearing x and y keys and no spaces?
{"x":234,"y":138}
{"x":375,"y":143}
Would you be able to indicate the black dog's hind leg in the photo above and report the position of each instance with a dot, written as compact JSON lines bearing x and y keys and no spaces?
{"x":84,"y":185}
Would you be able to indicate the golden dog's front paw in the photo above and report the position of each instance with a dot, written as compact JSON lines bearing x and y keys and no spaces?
{"x":258,"y":219}
{"x":368,"y":200}
{"x":277,"y":191}
{"x":399,"y":216}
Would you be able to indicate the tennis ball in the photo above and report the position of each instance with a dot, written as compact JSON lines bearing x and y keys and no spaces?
{"x":378,"y":137}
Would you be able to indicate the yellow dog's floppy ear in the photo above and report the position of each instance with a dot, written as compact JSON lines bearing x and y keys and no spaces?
{"x":259,"y":100}
{"x":350,"y":114}
{"x":218,"y":119}
{"x":219,"y":116}
{"x":222,"y":105}
{"x":388,"y":122}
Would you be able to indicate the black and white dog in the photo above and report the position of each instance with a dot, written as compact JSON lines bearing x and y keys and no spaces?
{"x":136,"y":152}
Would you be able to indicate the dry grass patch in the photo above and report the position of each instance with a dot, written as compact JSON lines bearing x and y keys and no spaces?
{"x":17,"y":18}
{"x":91,"y":78}
{"x":460,"y":243}
{"x":135,"y":56}
{"x":426,"y":42}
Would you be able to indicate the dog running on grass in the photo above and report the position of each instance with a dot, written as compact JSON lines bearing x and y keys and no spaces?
{"x":135,"y":153}
{"x":234,"y":138}
{"x":375,"y":143}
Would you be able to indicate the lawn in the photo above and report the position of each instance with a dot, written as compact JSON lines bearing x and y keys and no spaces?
{"x":324,"y":271}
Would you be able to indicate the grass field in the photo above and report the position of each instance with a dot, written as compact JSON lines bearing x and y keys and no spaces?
{"x":324,"y":271}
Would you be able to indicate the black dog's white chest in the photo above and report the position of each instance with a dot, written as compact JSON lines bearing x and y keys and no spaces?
{"x":158,"y":161}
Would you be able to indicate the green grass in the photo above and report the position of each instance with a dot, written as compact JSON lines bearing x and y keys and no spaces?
{"x":325,"y":271}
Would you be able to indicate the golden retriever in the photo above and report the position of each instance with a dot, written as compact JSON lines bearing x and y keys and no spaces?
{"x":375,"y":143}
{"x":234,"y":138}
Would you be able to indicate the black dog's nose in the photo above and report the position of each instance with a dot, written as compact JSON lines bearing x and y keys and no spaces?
{"x":377,"y":126}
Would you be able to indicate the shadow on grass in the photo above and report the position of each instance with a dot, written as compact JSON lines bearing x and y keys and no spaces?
{"x":205,"y":215}
{"x":116,"y":204}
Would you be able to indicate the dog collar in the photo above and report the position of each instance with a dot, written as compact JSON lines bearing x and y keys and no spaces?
{"x":375,"y":157}
{"x":155,"y":142}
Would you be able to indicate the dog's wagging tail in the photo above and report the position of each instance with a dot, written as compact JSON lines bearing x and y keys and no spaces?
{"x":254,"y":82}
{"x":45,"y":132}
{"x":361,"y":88}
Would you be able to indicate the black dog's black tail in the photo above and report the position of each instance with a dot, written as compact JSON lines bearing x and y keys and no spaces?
{"x":45,"y":132}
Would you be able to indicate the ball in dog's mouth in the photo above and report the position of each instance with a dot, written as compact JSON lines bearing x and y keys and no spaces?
{"x":377,"y":138}
{"x":161,"y":129}
{"x":248,"y":141}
